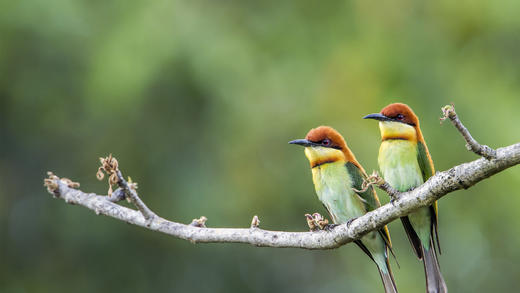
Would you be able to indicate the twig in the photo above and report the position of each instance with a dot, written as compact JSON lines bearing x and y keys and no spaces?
{"x":200,"y":222}
{"x":375,"y":179}
{"x":392,"y":192}
{"x":52,"y":182}
{"x":134,"y":198}
{"x":471,"y":144}
{"x":110,"y":166}
{"x":255,"y":222}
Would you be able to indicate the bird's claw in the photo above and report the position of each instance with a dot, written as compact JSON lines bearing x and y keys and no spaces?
{"x":393,"y":198}
{"x":330,"y":227}
{"x":350,"y":221}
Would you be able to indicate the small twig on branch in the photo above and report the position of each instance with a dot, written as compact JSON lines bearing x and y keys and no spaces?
{"x":53,"y":181}
{"x":200,"y":222}
{"x":255,"y":222}
{"x":110,"y":166}
{"x":131,"y":193}
{"x":471,"y":144}
{"x":392,"y":192}
{"x":375,"y":179}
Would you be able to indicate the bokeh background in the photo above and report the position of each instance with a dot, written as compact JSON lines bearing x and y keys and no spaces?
{"x":198,"y":99}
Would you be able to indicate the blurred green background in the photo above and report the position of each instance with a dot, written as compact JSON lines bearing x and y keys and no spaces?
{"x":198,"y":99}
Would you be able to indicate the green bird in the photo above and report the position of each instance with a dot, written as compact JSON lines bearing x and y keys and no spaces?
{"x":338,"y":179}
{"x":405,"y":163}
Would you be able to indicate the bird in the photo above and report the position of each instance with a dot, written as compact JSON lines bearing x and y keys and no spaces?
{"x":338,"y":181}
{"x":405,"y":163}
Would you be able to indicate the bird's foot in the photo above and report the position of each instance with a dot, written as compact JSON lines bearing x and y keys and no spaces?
{"x":393,"y":198}
{"x":350,"y":221}
{"x":330,"y":227}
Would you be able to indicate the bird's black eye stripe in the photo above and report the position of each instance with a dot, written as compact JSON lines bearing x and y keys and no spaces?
{"x":401,"y":118}
{"x":326,"y":143}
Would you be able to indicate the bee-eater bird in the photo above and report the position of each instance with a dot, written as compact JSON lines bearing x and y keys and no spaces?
{"x":338,"y":180}
{"x":405,"y":163}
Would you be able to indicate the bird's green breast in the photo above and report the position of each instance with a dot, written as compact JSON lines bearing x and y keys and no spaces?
{"x":333,"y":186}
{"x":400,"y":168}
{"x":398,"y":164}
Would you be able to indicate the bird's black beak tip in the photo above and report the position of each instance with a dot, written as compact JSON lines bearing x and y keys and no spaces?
{"x":302,"y":142}
{"x":376,"y":116}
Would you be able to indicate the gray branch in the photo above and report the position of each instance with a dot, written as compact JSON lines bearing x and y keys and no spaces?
{"x":471,"y":144}
{"x":459,"y":177}
{"x":134,"y":198}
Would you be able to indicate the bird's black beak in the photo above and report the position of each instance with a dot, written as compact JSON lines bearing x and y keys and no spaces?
{"x":377,"y":116}
{"x":302,"y":142}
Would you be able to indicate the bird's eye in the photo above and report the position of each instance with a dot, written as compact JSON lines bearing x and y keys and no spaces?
{"x":326,"y":142}
{"x":400,"y":116}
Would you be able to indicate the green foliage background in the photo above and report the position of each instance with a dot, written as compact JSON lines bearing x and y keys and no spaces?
{"x":198,"y":99}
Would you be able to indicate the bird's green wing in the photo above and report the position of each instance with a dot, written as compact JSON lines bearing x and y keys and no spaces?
{"x":425,"y":162}
{"x":369,"y":197}
{"x":427,"y":170}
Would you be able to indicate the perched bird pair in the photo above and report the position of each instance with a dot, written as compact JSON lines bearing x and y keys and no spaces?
{"x":405,"y":163}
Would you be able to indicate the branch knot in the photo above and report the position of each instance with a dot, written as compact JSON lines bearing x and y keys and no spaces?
{"x":255,"y":222}
{"x":200,"y":222}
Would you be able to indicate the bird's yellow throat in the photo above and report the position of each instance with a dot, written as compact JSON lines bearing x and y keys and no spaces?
{"x":321,"y":155}
{"x":397,"y":130}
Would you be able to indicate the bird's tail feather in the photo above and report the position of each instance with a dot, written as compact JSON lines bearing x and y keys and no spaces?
{"x":388,"y":279}
{"x":434,"y":280}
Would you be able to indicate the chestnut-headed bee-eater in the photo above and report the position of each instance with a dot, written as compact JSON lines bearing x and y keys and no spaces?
{"x":405,"y":163}
{"x":338,"y":179}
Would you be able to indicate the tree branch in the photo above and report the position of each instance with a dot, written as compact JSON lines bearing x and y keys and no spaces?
{"x":459,"y":177}
{"x":471,"y":144}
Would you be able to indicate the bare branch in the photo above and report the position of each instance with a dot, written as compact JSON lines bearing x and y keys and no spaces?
{"x":392,"y":192}
{"x":471,"y":144}
{"x":459,"y":177}
{"x":134,"y":198}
